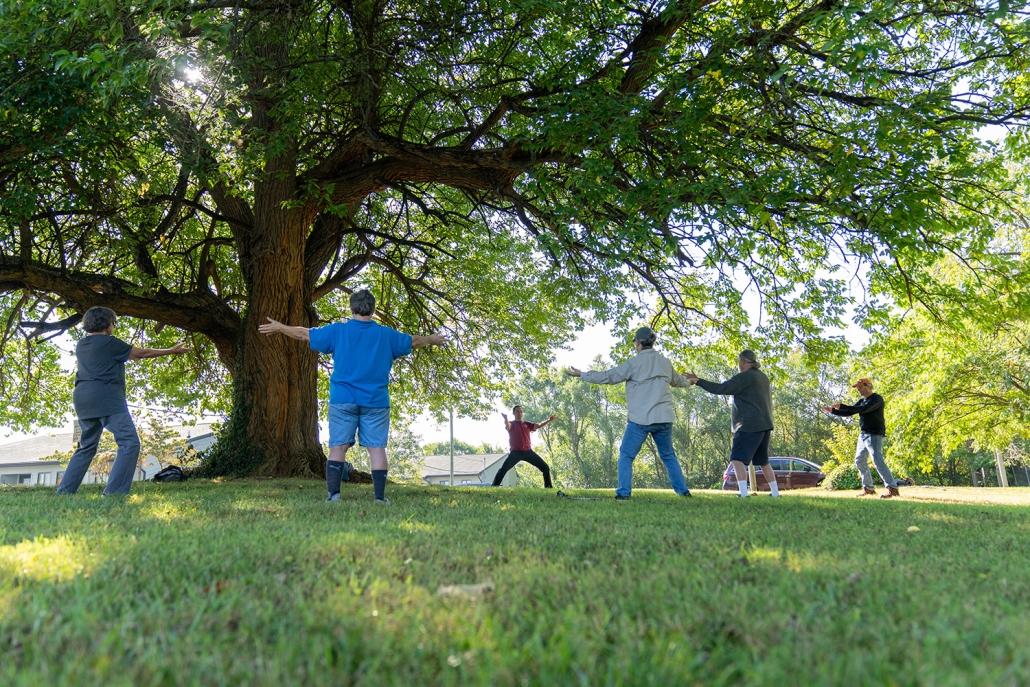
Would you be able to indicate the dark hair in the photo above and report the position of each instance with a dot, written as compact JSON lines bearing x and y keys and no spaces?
{"x":362,"y":303}
{"x":98,"y":319}
{"x":514,"y":407}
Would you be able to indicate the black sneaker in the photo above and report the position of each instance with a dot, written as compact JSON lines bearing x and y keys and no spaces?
{"x":687,"y":494}
{"x":619,"y":497}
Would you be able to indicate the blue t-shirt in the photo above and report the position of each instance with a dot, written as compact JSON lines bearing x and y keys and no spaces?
{"x":363,"y":353}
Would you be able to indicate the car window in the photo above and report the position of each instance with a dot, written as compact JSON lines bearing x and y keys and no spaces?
{"x":779,"y":464}
{"x":801,"y":466}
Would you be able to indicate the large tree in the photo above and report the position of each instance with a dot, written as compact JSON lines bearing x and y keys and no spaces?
{"x":205,"y":165}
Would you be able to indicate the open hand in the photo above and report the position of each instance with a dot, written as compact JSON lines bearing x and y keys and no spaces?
{"x":178,"y":349}
{"x":271,"y":327}
{"x":552,"y":418}
{"x":573,"y":372}
{"x":691,"y":377}
{"x":437,"y":339}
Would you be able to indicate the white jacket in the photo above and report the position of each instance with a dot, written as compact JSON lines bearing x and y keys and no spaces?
{"x":648,"y":376}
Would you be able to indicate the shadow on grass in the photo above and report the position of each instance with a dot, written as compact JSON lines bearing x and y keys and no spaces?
{"x":263,"y":581}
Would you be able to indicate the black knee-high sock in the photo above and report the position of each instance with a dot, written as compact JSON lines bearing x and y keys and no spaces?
{"x":333,"y":475}
{"x":379,"y":483}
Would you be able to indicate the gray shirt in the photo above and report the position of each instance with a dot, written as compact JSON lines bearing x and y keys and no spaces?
{"x":648,"y":376}
{"x":100,"y":376}
{"x":752,"y":399}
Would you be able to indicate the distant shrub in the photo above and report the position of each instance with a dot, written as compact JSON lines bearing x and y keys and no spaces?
{"x":844,"y":477}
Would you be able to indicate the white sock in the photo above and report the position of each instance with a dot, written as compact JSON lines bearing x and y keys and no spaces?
{"x":743,"y":488}
{"x":775,"y":488}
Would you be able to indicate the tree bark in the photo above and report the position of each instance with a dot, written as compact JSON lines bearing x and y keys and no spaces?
{"x":277,"y":379}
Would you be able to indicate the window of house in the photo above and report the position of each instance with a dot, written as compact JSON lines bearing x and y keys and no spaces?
{"x":16,"y":479}
{"x":466,"y":481}
{"x":43,"y":478}
{"x":60,"y":476}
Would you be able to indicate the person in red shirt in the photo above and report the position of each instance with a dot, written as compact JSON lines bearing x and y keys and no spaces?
{"x":521,"y":448}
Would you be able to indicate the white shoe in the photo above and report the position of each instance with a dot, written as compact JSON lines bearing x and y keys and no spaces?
{"x":381,"y":502}
{"x":333,"y":497}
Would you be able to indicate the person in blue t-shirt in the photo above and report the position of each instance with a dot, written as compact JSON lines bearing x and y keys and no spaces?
{"x":359,"y":398}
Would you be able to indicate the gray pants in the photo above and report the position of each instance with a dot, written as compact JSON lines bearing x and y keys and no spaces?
{"x":872,"y":445}
{"x":124,"y":431}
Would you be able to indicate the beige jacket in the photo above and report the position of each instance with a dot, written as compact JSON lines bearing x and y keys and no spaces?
{"x":648,"y":376}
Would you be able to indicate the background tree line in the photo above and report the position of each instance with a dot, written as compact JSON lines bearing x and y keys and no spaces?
{"x":582,"y":444}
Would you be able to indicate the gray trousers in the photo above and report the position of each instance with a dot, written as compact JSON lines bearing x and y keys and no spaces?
{"x":872,"y":445}
{"x":124,"y":431}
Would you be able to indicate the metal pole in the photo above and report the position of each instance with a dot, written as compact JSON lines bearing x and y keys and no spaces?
{"x":451,"y":483}
{"x":1003,"y":478}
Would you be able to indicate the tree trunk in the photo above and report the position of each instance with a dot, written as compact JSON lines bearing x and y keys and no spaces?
{"x":277,"y":379}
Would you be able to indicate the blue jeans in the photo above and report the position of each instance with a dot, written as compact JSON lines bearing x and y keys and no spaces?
{"x":872,"y":445}
{"x":633,"y":439}
{"x":371,"y":425}
{"x":120,"y":479}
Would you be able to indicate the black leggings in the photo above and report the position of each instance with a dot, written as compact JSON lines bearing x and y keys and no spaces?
{"x":516,"y":457}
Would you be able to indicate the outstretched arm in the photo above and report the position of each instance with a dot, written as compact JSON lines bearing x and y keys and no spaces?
{"x":616,"y":375}
{"x":141,"y":353}
{"x":547,"y":421}
{"x":844,"y":409}
{"x":507,"y":424}
{"x":437,"y":339}
{"x":273,"y":327}
{"x":731,"y":387}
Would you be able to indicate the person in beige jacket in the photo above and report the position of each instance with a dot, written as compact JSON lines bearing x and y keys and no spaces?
{"x":648,"y":376}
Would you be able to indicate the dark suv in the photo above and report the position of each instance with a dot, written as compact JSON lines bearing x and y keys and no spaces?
{"x":791,"y":473}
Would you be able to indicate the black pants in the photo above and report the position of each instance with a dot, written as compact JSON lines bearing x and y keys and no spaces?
{"x":516,"y":457}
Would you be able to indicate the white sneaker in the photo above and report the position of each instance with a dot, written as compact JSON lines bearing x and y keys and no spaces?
{"x":333,"y":497}
{"x":382,"y":502}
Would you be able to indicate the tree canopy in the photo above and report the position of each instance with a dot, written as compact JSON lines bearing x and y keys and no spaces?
{"x":499,"y":170}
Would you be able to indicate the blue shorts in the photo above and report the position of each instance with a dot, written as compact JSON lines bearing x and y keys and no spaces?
{"x":751,"y":447}
{"x":371,"y":424}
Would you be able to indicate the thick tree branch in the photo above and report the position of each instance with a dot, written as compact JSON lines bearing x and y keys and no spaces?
{"x":196,"y":312}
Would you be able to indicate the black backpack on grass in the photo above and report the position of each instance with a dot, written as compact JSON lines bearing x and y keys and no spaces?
{"x":172,"y":473}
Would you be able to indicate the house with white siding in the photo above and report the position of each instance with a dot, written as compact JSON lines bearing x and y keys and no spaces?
{"x":471,"y":469}
{"x":29,"y":463}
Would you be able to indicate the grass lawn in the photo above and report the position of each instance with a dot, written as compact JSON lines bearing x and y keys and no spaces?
{"x":262,"y":583}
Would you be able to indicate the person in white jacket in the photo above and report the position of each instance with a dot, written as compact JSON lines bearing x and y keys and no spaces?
{"x":648,"y":376}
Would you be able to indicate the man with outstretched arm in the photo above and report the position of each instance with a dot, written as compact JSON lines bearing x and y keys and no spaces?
{"x":521,"y":448}
{"x":99,"y":400}
{"x":359,"y":399}
{"x":752,"y":418}
{"x":872,"y":431}
{"x":648,"y":376}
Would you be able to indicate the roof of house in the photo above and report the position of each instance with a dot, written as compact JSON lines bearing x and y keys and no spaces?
{"x":464,"y":464}
{"x":33,"y":451}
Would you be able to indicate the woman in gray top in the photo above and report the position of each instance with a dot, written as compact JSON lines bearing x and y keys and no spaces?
{"x":99,"y":400}
{"x":752,"y":418}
